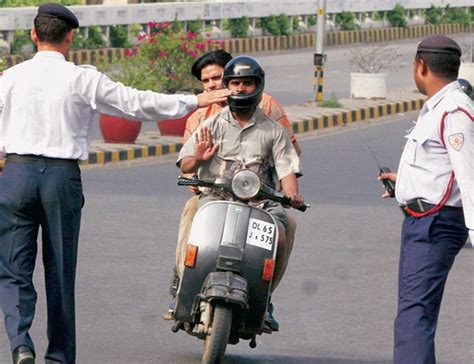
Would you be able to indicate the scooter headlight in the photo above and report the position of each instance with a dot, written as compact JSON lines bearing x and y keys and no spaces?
{"x":245,"y":184}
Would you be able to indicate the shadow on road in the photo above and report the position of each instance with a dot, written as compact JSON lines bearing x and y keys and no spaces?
{"x":278,"y":359}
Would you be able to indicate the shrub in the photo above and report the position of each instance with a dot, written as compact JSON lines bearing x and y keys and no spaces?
{"x":332,"y":102}
{"x":161,"y":61}
{"x":378,"y":16}
{"x":312,"y":21}
{"x":95,"y":38}
{"x":346,"y":21}
{"x":238,"y":27}
{"x":195,"y":26}
{"x":283,"y":24}
{"x":456,"y":15}
{"x":119,"y":36}
{"x":20,"y":38}
{"x":296,"y":23}
{"x":396,"y":17}
{"x":3,"y":64}
{"x":433,"y":15}
{"x":276,"y":25}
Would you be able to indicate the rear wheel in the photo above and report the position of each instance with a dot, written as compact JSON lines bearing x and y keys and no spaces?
{"x":215,"y":343}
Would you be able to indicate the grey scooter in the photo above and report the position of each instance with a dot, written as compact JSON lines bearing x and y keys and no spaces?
{"x":225,"y":288}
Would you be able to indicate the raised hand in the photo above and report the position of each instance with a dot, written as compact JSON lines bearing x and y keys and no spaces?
{"x":204,"y":146}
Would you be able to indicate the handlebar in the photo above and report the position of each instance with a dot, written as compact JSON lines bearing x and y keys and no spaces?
{"x":265,"y":191}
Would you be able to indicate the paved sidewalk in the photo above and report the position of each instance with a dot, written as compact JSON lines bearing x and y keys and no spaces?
{"x":305,"y":117}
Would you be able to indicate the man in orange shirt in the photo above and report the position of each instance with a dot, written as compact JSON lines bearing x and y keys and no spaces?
{"x":209,"y":69}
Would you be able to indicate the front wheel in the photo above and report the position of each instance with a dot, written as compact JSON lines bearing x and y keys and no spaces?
{"x":216,"y":342}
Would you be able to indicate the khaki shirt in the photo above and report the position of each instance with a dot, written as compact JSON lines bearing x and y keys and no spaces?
{"x":262,"y":146}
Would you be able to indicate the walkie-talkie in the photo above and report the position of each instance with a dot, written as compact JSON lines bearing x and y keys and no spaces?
{"x":388,"y":184}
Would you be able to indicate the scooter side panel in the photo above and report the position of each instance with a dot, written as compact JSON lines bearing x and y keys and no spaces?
{"x":252,"y":269}
{"x":206,"y":233}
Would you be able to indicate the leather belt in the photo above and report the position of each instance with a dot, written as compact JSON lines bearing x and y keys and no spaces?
{"x":31,"y":159}
{"x":420,"y":206}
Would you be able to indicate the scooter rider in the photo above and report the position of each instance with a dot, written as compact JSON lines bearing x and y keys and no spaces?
{"x":241,"y":136}
{"x":209,"y":70}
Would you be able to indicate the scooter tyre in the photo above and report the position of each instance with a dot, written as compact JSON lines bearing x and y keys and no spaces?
{"x":216,"y":343}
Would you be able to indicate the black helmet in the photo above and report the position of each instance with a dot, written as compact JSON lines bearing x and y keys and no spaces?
{"x":244,"y":66}
{"x":466,"y":87}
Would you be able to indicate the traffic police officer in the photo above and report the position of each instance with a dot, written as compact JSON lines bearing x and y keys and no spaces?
{"x":46,"y":108}
{"x":435,"y":187}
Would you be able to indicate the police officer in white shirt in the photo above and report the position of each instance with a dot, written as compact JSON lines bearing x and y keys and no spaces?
{"x":46,"y":108}
{"x":435,"y":187}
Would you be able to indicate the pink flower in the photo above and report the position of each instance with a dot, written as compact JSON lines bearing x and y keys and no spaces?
{"x":193,"y":54}
{"x":185,"y":46}
{"x":141,"y":36}
{"x":129,"y":52}
{"x":200,"y":46}
{"x":164,"y":25}
{"x":191,"y":35}
{"x":152,"y":24}
{"x":152,"y":41}
{"x":162,"y":54}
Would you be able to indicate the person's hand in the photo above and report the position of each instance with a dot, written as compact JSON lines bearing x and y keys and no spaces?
{"x":204,"y":147}
{"x":211,"y":97}
{"x":296,"y":201}
{"x":392,"y":177}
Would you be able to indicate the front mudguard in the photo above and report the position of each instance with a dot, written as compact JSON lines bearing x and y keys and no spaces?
{"x":225,"y":286}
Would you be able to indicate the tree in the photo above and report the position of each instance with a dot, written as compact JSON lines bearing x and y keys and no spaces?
{"x":397,"y":17}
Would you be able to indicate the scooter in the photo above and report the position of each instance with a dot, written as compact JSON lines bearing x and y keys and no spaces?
{"x":224,"y":291}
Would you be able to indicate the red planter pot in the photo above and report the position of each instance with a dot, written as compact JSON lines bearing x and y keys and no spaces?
{"x":119,"y":130}
{"x":173,"y":127}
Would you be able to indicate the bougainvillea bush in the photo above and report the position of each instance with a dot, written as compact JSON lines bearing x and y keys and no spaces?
{"x":161,"y":61}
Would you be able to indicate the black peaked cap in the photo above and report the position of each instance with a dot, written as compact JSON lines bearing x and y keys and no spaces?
{"x":53,"y":10}
{"x":439,"y":44}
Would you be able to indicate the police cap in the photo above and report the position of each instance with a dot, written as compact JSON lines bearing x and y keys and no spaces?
{"x":439,"y":44}
{"x":59,"y":11}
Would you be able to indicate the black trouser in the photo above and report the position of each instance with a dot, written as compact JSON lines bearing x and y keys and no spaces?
{"x":34,"y":192}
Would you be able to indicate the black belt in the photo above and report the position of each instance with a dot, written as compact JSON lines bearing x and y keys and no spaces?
{"x":420,"y":206}
{"x":31,"y":159}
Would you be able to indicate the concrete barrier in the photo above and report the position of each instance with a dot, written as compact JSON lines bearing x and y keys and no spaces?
{"x":293,"y":41}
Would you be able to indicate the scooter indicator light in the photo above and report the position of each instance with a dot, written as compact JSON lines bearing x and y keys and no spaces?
{"x":191,"y":255}
{"x":268,"y":267}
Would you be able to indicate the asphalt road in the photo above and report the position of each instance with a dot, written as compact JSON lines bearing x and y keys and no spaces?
{"x":335,"y":305}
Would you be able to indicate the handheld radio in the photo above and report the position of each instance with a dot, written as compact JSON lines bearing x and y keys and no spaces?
{"x":388,"y":184}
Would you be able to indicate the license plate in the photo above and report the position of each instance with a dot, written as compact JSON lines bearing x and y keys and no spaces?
{"x":260,"y":233}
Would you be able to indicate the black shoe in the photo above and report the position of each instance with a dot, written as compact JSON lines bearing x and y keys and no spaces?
{"x":270,"y":320}
{"x":169,"y":315}
{"x":23,"y":355}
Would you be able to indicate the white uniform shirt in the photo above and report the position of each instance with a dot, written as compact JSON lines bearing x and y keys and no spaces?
{"x":48,"y":105}
{"x":426,"y":165}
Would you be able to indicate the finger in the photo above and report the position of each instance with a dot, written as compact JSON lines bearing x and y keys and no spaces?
{"x":214,"y":149}
{"x":209,"y":136}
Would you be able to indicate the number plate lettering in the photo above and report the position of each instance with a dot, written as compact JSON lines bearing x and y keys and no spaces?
{"x":260,"y":233}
